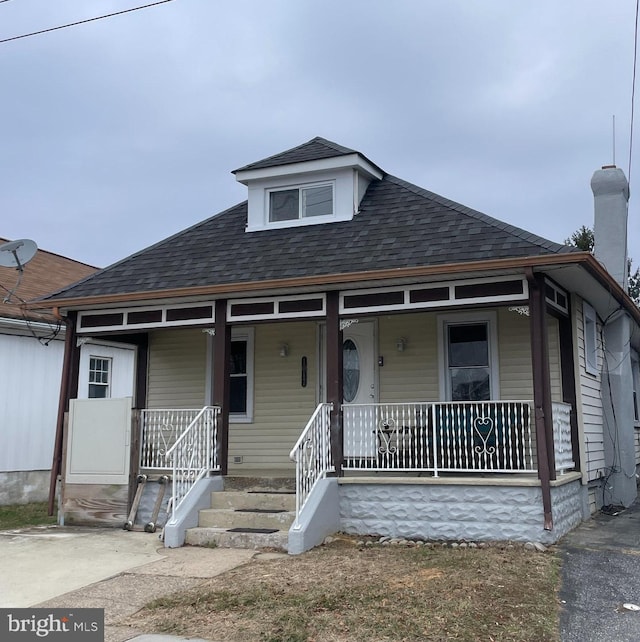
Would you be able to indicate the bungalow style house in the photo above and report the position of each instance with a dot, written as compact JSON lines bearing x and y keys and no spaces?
{"x":31,"y":354}
{"x":418,"y":368}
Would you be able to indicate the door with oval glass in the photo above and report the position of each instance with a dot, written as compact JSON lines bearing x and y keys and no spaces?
{"x":359,"y":386}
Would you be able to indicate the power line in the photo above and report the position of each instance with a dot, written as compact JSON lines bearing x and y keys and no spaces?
{"x":633,"y":87}
{"x":80,"y":22}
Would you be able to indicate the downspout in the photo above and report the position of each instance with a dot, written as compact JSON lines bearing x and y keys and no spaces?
{"x":63,"y":402}
{"x":541,"y":392}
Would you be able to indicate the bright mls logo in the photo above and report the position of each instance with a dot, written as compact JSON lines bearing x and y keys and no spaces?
{"x":53,"y":625}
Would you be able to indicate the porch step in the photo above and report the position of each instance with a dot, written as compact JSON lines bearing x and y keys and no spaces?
{"x":224,"y":538}
{"x":229,"y":518}
{"x":238,"y":500}
{"x":251,"y":512}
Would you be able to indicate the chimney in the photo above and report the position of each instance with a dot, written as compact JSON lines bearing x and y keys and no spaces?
{"x":611,"y":196}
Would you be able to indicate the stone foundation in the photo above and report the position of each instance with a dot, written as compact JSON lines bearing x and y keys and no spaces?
{"x":478,"y":511}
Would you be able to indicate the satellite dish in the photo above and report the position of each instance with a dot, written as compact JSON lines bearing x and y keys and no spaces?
{"x":17,"y":254}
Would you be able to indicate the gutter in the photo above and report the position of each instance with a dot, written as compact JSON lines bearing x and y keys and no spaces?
{"x":324,"y":280}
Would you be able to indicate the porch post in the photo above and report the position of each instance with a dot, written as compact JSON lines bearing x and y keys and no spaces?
{"x":334,"y":377}
{"x":541,"y":391}
{"x":70,"y":364}
{"x":221,"y":385}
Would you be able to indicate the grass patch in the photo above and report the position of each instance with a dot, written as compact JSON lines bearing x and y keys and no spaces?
{"x":343,"y":592}
{"x":24,"y":515}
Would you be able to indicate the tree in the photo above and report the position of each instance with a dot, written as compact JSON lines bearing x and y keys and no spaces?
{"x":584,"y":240}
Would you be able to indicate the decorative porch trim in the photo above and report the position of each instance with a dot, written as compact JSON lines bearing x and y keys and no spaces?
{"x":145,"y":318}
{"x":435,"y":295}
{"x":347,"y":323}
{"x":282,"y":307}
{"x":522,"y":310}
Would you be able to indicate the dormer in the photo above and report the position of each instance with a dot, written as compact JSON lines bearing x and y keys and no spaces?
{"x":314,"y":183}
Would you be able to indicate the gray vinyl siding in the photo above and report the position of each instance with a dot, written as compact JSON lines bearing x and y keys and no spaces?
{"x":590,"y":391}
{"x":177,"y":369}
{"x":282,"y":406}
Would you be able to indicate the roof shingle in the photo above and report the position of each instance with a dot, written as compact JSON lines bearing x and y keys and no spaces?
{"x":399,"y":225}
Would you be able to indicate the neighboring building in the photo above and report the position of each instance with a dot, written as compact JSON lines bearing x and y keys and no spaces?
{"x":437,"y":373}
{"x":31,"y":353}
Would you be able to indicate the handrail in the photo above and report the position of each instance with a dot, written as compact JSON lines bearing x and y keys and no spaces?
{"x":194,"y":454}
{"x":312,"y":455}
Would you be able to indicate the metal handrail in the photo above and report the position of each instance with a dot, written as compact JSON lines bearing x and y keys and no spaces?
{"x":312,"y":455}
{"x":193,"y":461}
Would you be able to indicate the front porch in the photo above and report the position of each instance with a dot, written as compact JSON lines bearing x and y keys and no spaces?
{"x":472,"y":466}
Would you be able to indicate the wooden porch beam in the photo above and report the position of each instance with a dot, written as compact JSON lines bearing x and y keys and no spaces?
{"x":71,"y":357}
{"x":221,"y":382}
{"x":334,"y":377}
{"x":541,"y":391}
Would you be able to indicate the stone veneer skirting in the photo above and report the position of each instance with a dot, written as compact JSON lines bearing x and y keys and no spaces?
{"x":461,"y":509}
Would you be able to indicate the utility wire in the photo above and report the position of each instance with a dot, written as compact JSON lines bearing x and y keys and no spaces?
{"x":80,"y":22}
{"x":633,"y":87}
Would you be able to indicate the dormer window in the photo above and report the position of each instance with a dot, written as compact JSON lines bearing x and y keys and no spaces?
{"x":316,"y":183}
{"x":301,"y":202}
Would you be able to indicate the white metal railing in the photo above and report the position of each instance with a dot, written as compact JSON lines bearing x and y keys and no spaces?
{"x":312,"y":454}
{"x":494,"y":436}
{"x":160,"y":430}
{"x":562,"y":437}
{"x":194,"y":454}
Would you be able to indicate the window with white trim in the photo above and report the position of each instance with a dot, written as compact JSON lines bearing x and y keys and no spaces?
{"x":241,"y":374}
{"x":468,"y":357}
{"x":590,"y":330}
{"x":301,"y":202}
{"x":99,"y":378}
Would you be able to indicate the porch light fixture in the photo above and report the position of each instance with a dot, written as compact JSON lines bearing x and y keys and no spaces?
{"x":284,"y":350}
{"x":401,"y":344}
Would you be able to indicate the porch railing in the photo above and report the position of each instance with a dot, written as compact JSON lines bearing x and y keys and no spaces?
{"x":312,"y":455}
{"x":562,"y":437}
{"x":494,"y":436}
{"x":160,"y":430}
{"x":194,"y":454}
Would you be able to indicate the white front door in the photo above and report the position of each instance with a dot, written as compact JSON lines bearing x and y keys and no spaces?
{"x":359,"y":387}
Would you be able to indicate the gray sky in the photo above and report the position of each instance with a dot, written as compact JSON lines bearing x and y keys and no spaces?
{"x":118,"y":133}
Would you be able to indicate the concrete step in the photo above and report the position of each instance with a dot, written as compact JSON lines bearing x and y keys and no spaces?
{"x":229,"y":518}
{"x":221,"y":537}
{"x":235,"y":499}
{"x":237,"y":482}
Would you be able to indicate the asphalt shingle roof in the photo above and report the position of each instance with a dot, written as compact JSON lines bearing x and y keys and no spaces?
{"x":399,"y":225}
{"x":46,"y":272}
{"x":315,"y":149}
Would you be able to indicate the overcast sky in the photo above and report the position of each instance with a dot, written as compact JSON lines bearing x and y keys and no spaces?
{"x":118,"y":133}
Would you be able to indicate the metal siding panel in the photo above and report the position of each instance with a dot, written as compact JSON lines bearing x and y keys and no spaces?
{"x":29,"y":388}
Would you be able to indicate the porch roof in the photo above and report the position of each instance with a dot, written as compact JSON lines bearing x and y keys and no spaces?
{"x":399,"y":226}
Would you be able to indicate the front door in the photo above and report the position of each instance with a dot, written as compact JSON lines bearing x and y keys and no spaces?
{"x":359,"y":387}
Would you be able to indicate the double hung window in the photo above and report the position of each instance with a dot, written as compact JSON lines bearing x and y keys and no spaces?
{"x":469,"y":357}
{"x":99,"y":378}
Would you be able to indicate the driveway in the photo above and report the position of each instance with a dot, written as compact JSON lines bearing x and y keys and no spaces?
{"x":113,"y":569}
{"x":600,"y":574}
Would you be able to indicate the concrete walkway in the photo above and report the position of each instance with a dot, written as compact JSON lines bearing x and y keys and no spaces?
{"x":600,"y":574}
{"x":113,"y":569}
